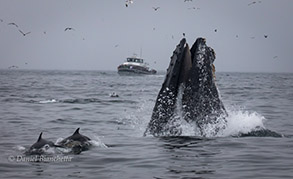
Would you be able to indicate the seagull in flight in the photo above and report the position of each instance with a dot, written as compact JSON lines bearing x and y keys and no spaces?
{"x":156,"y":8}
{"x":68,"y":28}
{"x":251,"y":3}
{"x":24,"y":34}
{"x":12,"y":23}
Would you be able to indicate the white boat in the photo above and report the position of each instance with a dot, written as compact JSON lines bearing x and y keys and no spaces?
{"x":135,"y":65}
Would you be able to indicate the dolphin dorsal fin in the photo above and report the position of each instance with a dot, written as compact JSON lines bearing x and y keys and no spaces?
{"x":76,"y":132}
{"x":40,"y":137}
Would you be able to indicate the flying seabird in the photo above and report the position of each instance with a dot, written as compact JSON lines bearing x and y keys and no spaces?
{"x":24,"y":34}
{"x":266,"y":36}
{"x":128,"y":2}
{"x":12,"y":23}
{"x":251,"y":3}
{"x":156,"y":8}
{"x":68,"y":28}
{"x":216,"y":30}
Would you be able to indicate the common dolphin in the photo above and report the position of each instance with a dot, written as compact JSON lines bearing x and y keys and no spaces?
{"x":40,"y":146}
{"x":189,"y":88}
{"x":76,"y":142}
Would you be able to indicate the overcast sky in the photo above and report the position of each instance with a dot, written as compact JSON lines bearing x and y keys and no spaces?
{"x":106,"y":32}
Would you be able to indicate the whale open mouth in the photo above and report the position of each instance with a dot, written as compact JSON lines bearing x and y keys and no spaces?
{"x":191,"y":71}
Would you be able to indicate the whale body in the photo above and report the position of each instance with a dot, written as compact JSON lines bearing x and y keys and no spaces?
{"x":188,"y":91}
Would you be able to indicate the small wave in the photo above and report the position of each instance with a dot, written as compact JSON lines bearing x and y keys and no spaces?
{"x":81,"y":100}
{"x":260,"y":132}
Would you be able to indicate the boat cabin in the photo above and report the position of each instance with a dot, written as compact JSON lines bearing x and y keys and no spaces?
{"x":137,"y":60}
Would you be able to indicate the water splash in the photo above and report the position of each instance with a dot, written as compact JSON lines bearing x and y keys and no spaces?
{"x":238,"y":122}
{"x":20,"y":148}
{"x":242,"y":122}
{"x":97,"y":142}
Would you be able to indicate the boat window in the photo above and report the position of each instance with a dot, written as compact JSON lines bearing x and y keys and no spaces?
{"x":139,"y":60}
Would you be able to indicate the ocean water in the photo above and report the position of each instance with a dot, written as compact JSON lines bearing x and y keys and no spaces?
{"x":58,"y":102}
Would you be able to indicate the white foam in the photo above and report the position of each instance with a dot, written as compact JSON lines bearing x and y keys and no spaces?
{"x":48,"y":101}
{"x":20,"y":148}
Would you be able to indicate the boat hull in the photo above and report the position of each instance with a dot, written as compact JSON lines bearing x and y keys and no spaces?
{"x":128,"y":70}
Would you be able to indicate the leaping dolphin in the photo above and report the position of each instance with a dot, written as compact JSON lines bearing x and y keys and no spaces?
{"x":76,"y":142}
{"x":40,"y":146}
{"x":189,"y":88}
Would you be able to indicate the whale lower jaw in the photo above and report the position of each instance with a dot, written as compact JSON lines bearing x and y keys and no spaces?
{"x":189,"y":92}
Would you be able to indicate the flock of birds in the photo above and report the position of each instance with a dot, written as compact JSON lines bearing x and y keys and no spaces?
{"x":127,"y":4}
{"x":26,"y":33}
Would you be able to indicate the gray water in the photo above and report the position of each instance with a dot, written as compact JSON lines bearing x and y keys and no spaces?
{"x":58,"y":102}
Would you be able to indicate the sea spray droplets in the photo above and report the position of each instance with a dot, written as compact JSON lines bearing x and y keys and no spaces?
{"x":242,"y":122}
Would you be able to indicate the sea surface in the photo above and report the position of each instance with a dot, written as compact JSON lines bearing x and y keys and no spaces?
{"x":58,"y":102}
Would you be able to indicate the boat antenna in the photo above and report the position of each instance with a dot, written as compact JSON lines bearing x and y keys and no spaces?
{"x":140,"y":52}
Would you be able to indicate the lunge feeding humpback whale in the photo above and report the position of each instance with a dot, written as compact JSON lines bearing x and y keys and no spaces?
{"x":189,"y":92}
